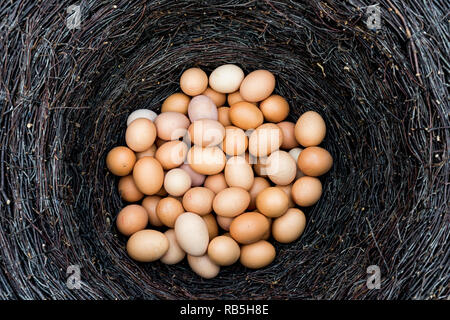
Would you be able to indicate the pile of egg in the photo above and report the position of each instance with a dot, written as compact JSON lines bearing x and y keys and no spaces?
{"x":200,"y":165}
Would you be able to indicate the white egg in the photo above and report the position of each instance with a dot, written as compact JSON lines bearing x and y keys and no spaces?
{"x":141,"y":113}
{"x":177,"y":182}
{"x":203,"y":266}
{"x":226,"y":78}
{"x":281,"y":168}
{"x":192,"y":234}
{"x":202,"y":107}
{"x":295,"y":152}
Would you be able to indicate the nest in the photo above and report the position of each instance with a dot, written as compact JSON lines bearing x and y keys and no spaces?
{"x":65,"y":95}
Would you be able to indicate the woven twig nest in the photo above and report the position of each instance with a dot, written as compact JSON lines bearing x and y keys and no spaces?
{"x":65,"y":94}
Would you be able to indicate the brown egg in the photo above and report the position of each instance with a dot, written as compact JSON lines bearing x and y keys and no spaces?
{"x":249,"y":227}
{"x":257,"y":255}
{"x":203,"y":266}
{"x":223,"y":251}
{"x":177,"y":102}
{"x":171,"y":154}
{"x":131,"y":219}
{"x":224,"y":222}
{"x":265,"y":139}
{"x":274,"y":108}
{"x":171,"y":125}
{"x":260,"y":166}
{"x":306,"y":191}
{"x":193,"y":81}
{"x":235,"y":142}
{"x":288,"y":190}
{"x":202,"y":107}
{"x":211,"y":224}
{"x":162,"y":192}
{"x":217,"y":97}
{"x":288,"y":131}
{"x":207,"y":161}
{"x":259,"y":184}
{"x":234,"y":97}
{"x":310,"y":129}
{"x":268,"y":233}
{"x":281,"y":167}
{"x":239,"y":173}
{"x":177,"y":182}
{"x":197,"y":179}
{"x":120,"y":161}
{"x":147,"y":245}
{"x":168,"y":210}
{"x":231,"y":202}
{"x":216,"y":182}
{"x":289,"y":226}
{"x":150,"y":203}
{"x":148,"y":175}
{"x":128,"y":190}
{"x":174,"y":254}
{"x":206,"y":132}
{"x":192,"y":234}
{"x":245,"y":115}
{"x":272,"y":202}
{"x":140,"y":134}
{"x":199,"y":200}
{"x":257,"y":85}
{"x":314,"y":161}
{"x":150,"y":152}
{"x":159,"y":142}
{"x":224,"y":116}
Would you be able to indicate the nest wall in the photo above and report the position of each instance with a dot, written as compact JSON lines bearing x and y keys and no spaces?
{"x":65,"y":96}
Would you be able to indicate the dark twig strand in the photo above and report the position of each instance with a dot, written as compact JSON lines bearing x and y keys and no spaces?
{"x":65,"y":95}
